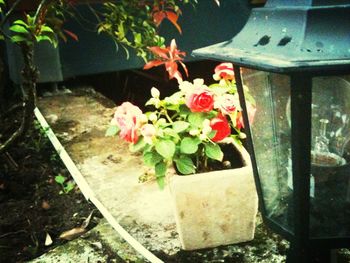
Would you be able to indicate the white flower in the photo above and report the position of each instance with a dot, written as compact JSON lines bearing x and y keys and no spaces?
{"x":227,"y":103}
{"x":148,"y":131}
{"x":185,"y":86}
{"x":198,"y":82}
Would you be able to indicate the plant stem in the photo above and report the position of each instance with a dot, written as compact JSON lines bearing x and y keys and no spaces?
{"x":167,"y":116}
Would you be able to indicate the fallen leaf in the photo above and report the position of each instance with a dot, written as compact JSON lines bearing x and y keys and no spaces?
{"x":73,"y":233}
{"x":98,"y":245}
{"x":87,"y":221}
{"x":48,"y":240}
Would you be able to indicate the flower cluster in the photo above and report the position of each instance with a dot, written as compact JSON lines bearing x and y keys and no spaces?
{"x":187,"y":128}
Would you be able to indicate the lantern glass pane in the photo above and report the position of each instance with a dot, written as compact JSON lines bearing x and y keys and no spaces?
{"x":271,"y":140}
{"x":330,"y":157}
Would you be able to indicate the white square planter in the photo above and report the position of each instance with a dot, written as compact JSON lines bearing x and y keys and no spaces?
{"x":215,"y":208}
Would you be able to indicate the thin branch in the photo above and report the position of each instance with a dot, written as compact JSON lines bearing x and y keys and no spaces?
{"x":13,"y":233}
{"x":93,"y":11}
{"x":7,"y":15}
{"x":16,"y":135}
{"x":12,"y":109}
{"x":11,"y":161}
{"x":38,"y":10}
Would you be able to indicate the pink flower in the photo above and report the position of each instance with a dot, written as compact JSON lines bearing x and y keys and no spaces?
{"x":224,"y":71}
{"x":221,"y":126}
{"x":148,"y":131}
{"x":128,"y":118}
{"x":226,"y":103}
{"x":251,"y":114}
{"x":200,"y":100}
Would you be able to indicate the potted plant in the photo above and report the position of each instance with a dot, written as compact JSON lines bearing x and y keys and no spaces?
{"x":197,"y":131}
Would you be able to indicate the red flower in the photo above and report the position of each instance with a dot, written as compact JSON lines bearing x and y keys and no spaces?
{"x":221,"y":126}
{"x":224,"y":71}
{"x":200,"y":100}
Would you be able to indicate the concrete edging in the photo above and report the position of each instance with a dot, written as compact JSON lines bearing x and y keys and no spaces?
{"x":88,"y":193}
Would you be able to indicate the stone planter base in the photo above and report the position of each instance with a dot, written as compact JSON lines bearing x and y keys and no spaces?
{"x":215,"y":208}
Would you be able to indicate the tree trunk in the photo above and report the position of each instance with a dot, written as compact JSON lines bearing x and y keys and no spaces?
{"x":28,"y":86}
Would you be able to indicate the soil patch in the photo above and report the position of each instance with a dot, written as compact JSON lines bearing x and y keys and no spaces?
{"x":31,"y":205}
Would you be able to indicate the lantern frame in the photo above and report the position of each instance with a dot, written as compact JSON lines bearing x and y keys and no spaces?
{"x":301,"y":65}
{"x":302,"y":246}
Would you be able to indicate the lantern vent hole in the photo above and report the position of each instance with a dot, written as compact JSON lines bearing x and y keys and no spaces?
{"x":263,"y":41}
{"x":284,"y":41}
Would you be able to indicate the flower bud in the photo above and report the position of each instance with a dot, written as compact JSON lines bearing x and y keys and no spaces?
{"x":242,"y":135}
{"x":161,"y":121}
{"x":194,"y":132}
{"x":152,"y":117}
{"x":155,"y":93}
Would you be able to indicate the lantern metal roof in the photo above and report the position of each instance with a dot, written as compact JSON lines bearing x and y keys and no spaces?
{"x":290,"y":35}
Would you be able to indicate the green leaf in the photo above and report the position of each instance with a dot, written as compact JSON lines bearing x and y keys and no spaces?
{"x":40,"y":38}
{"x":213,"y":151}
{"x":212,"y":134}
{"x":160,"y":169}
{"x":185,"y":165}
{"x":189,"y":145}
{"x":138,"y":38}
{"x":46,"y":29}
{"x":184,"y":111}
{"x":60,"y":179}
{"x":171,"y":132}
{"x":152,"y":158}
{"x":21,"y":22}
{"x":69,"y":187}
{"x":19,"y":29}
{"x":180,"y":126}
{"x":236,"y":139}
{"x":18,"y":38}
{"x":165,"y":148}
{"x":161,"y":182}
{"x":138,"y":146}
{"x":112,"y":130}
{"x":196,"y":118}
{"x":121,"y":32}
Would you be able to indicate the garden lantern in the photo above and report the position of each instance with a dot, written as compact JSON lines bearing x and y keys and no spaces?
{"x":294,"y":57}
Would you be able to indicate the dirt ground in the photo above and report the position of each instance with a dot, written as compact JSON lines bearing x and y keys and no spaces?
{"x":31,"y":205}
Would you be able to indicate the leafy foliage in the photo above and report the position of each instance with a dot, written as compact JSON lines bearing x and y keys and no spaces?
{"x":134,"y":24}
{"x":29,"y":32}
{"x":187,"y":128}
{"x":66,"y":184}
